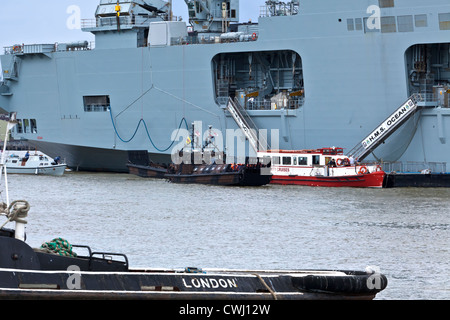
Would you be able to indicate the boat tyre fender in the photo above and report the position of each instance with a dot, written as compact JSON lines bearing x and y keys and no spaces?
{"x":363,"y":170}
{"x":356,"y":283}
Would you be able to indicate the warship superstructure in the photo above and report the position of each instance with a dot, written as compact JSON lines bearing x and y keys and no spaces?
{"x":322,"y":73}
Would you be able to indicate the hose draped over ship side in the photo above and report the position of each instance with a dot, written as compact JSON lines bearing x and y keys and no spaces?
{"x":146,"y":130}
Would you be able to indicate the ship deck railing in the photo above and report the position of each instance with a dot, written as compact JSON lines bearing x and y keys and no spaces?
{"x":431,"y":100}
{"x":266,"y":104}
{"x":278,"y":8}
{"x":22,"y":49}
{"x":414,"y":166}
{"x":132,"y":21}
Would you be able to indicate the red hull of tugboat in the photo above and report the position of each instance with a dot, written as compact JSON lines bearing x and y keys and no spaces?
{"x":371,"y":180}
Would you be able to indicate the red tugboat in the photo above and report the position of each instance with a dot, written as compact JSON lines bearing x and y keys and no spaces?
{"x":325,"y":167}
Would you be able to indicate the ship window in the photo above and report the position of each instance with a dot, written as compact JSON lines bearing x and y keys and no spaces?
{"x":386,"y":3}
{"x":388,"y":24}
{"x":371,"y":25}
{"x":275,"y":160}
{"x":316,"y":159}
{"x":421,"y":20}
{"x":444,"y":21}
{"x":26,"y":126}
{"x":33,"y":125}
{"x":287,"y":160}
{"x":19,"y":126}
{"x":350,"y":25}
{"x":405,"y":23}
{"x":96,"y":103}
{"x":358,"y":24}
{"x":303,"y":161}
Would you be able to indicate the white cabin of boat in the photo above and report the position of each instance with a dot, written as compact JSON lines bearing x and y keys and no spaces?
{"x":316,"y":162}
{"x":33,"y":163}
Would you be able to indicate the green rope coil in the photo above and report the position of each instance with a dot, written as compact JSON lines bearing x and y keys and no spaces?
{"x":59,"y":246}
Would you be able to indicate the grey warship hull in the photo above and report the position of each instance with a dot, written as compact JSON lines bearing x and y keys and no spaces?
{"x":319,"y":77}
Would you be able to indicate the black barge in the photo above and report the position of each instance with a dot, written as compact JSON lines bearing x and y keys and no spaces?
{"x":220,"y":174}
{"x":417,"y":180}
{"x":251,"y":173}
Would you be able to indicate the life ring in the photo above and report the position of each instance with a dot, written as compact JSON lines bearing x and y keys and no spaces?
{"x":379,"y":168}
{"x":339,"y":162}
{"x":254,"y":36}
{"x":363,"y":170}
{"x":16,"y":49}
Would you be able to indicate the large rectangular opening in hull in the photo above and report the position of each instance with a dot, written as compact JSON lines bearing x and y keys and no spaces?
{"x":428,"y":69}
{"x":264,"y":80}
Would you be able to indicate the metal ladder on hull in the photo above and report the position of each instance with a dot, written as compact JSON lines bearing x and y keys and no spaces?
{"x":386,"y":128}
{"x":246,"y":124}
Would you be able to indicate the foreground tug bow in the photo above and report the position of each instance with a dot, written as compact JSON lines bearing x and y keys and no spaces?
{"x":27,"y":273}
{"x":55,"y":271}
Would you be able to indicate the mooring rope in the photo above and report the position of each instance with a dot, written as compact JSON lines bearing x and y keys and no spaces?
{"x":59,"y":246}
{"x":18,"y":213}
{"x":266,"y":286}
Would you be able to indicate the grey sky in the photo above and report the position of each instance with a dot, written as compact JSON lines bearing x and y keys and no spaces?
{"x":44,"y":21}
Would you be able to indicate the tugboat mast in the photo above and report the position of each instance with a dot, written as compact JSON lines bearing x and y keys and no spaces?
{"x":11,"y":124}
{"x":16,"y":211}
